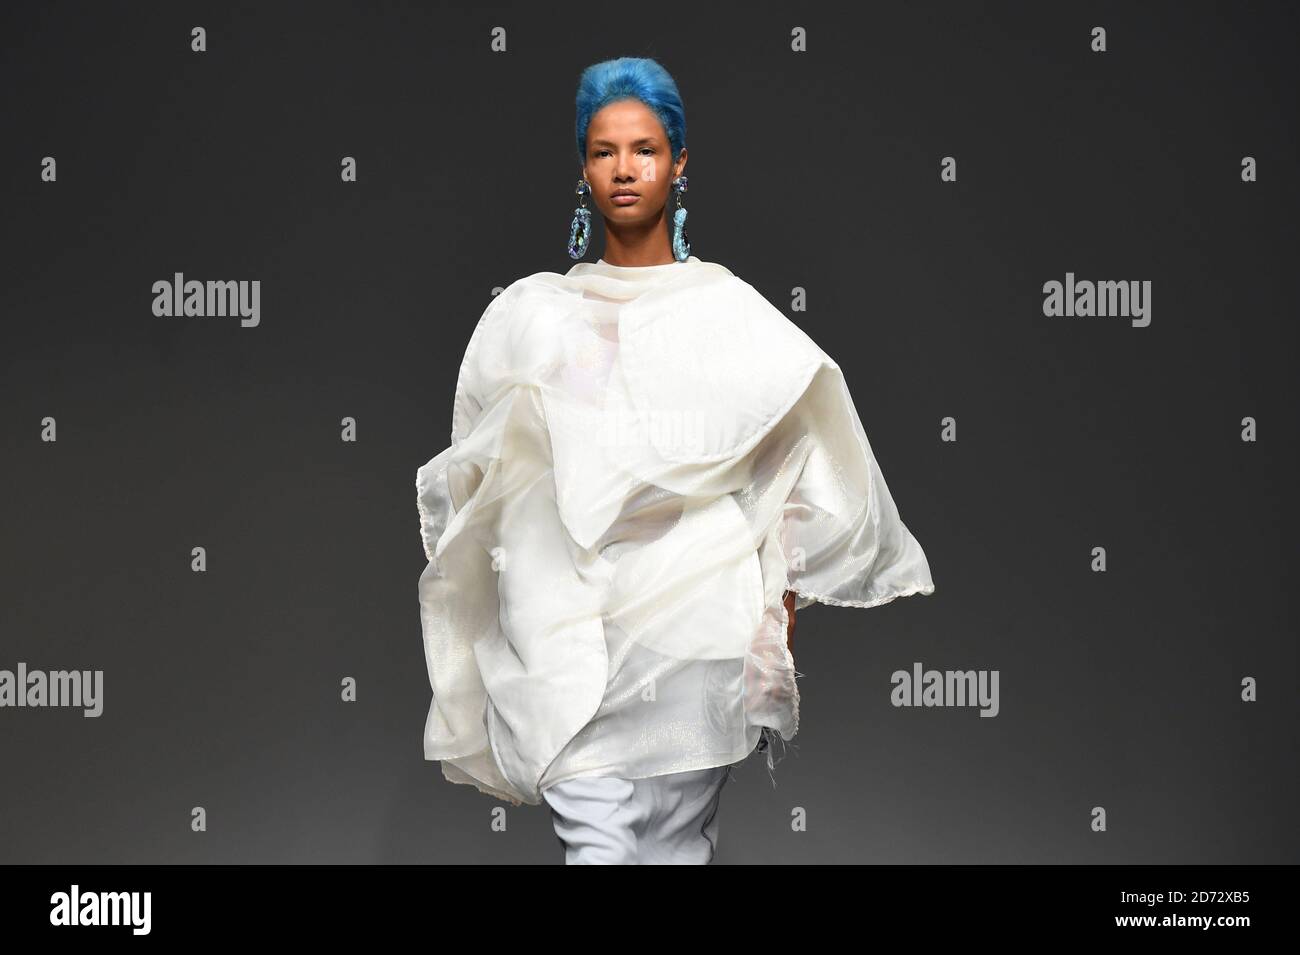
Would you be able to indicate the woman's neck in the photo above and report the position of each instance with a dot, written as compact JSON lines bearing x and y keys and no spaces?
{"x":648,"y":245}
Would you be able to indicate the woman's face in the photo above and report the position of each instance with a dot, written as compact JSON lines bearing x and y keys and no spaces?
{"x":628,"y":151}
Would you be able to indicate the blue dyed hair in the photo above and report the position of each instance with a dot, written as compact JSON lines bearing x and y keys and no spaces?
{"x":631,"y":77}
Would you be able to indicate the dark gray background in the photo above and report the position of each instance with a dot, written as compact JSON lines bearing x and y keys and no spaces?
{"x":817,"y":170}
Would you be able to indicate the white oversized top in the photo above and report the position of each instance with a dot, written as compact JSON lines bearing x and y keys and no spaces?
{"x":643,"y":460}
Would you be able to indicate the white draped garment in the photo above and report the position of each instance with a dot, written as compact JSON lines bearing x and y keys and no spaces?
{"x":642,"y":461}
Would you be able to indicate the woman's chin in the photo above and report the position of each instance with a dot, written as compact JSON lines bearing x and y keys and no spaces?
{"x":629,"y":215}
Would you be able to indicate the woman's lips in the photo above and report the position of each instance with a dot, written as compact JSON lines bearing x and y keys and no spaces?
{"x":624,"y":200}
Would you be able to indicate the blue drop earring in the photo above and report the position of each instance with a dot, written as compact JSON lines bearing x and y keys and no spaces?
{"x":580,"y":229}
{"x":681,"y":243}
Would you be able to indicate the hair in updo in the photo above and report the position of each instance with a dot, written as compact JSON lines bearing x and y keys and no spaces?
{"x":631,"y":77}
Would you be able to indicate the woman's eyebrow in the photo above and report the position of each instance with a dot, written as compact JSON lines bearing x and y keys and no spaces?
{"x":606,"y":142}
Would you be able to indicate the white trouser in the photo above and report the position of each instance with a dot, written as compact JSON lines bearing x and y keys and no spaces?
{"x":659,"y":820}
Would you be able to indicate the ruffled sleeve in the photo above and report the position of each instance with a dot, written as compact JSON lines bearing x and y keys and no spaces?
{"x":458,"y":588}
{"x":447,"y":482}
{"x":841,"y":532}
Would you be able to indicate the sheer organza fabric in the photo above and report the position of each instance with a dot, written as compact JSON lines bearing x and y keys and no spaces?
{"x":642,"y":462}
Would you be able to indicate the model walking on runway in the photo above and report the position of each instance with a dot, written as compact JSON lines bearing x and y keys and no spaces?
{"x":651,"y":469}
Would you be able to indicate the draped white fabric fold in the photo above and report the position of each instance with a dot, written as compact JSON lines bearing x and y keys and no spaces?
{"x":643,"y":461}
